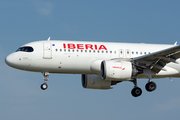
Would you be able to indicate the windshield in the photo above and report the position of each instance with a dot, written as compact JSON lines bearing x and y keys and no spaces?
{"x":25,"y":49}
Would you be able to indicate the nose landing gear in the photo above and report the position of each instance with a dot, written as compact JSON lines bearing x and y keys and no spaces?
{"x":44,"y":86}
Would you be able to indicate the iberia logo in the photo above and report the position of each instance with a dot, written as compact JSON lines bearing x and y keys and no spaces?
{"x":122,"y":68}
{"x":84,"y":46}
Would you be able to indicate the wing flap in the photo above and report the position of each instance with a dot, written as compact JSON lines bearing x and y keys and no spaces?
{"x":157,"y":60}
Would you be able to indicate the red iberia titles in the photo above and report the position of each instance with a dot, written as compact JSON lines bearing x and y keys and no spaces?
{"x":84,"y":46}
{"x":122,"y":68}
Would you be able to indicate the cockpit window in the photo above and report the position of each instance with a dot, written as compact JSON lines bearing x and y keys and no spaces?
{"x":25,"y":49}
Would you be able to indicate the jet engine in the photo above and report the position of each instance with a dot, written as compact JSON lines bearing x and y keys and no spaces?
{"x":95,"y":82}
{"x":118,"y":70}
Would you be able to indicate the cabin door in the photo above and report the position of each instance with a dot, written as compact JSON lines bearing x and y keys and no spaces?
{"x":47,"y":51}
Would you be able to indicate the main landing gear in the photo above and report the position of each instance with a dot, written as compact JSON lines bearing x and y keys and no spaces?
{"x":44,"y":86}
{"x":136,"y":91}
{"x":150,"y":86}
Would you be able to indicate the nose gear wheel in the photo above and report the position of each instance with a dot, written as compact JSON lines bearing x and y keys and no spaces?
{"x":44,"y":86}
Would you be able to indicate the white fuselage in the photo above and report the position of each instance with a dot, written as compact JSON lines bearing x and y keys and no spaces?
{"x":79,"y":57}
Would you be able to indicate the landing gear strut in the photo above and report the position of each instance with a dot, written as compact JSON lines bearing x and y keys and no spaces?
{"x":136,"y":91}
{"x":44,"y":86}
{"x":150,"y":86}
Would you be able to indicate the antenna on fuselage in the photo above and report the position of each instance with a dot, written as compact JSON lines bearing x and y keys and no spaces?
{"x":49,"y":39}
{"x":175,"y":43}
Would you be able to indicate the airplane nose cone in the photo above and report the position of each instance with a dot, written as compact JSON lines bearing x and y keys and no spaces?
{"x":9,"y":59}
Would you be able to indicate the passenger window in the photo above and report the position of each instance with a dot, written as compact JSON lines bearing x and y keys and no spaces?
{"x":110,"y":51}
{"x":89,"y":51}
{"x":60,"y":50}
{"x":106,"y":51}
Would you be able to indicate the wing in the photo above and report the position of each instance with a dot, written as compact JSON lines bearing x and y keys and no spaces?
{"x":157,"y":60}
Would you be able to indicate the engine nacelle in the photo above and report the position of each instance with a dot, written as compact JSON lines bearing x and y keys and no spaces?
{"x":95,"y":82}
{"x":117,"y":70}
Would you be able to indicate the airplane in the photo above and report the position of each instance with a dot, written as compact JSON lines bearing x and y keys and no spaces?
{"x":101,"y":64}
